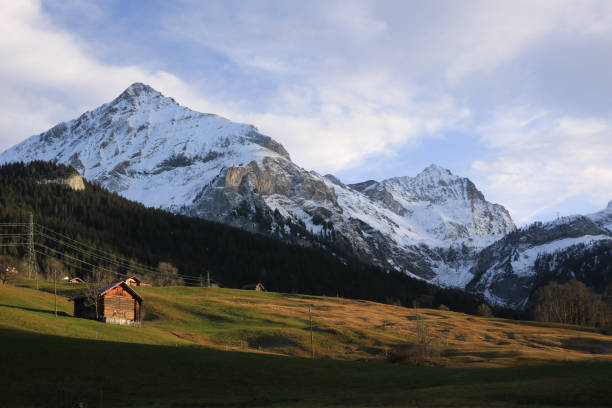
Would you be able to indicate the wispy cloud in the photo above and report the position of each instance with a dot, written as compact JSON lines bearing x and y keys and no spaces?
{"x":48,"y":75}
{"x":539,"y":161}
{"x":342,"y":84}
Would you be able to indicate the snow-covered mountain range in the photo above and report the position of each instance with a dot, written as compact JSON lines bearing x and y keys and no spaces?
{"x":148,"y":148}
{"x":507,"y":271}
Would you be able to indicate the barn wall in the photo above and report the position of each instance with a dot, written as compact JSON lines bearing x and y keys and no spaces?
{"x":119,"y":306}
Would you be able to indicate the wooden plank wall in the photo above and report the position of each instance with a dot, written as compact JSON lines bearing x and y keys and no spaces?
{"x":119,"y":306}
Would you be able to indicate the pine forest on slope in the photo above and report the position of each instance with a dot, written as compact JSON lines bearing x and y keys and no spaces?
{"x":125,"y":229}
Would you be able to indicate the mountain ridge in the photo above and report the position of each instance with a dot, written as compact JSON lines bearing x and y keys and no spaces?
{"x":150,"y":149}
{"x":436,"y":226}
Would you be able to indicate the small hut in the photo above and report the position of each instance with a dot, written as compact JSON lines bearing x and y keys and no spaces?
{"x":75,"y":280}
{"x":117,"y":303}
{"x":132,"y":281}
{"x":259,"y":287}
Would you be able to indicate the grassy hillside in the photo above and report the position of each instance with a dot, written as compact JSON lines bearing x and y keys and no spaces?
{"x":60,"y":361}
{"x":240,"y":320}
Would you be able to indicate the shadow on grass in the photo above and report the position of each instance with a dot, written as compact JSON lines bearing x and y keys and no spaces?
{"x":591,"y":346}
{"x":63,"y":291}
{"x":31,"y":309}
{"x":490,"y":354}
{"x":67,"y":371}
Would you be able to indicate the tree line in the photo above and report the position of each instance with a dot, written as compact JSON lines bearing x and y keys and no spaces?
{"x":573,"y":303}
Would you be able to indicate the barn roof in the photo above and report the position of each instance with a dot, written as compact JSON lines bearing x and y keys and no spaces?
{"x":103,"y":289}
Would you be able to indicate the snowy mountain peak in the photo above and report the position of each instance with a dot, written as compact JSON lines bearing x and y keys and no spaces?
{"x":442,"y":206}
{"x":435,"y":184}
{"x":148,"y":148}
{"x":603,"y":218}
{"x":433,"y":170}
{"x":140,"y":94}
{"x":138,"y":88}
{"x":142,"y":142}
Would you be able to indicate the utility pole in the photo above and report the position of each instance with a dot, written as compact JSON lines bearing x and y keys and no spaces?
{"x":31,"y":255}
{"x":201,"y":281}
{"x":311,"y":339}
{"x":208,"y":279}
{"x":55,"y":288}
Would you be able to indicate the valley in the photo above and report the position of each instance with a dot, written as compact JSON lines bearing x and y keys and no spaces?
{"x":229,"y":343}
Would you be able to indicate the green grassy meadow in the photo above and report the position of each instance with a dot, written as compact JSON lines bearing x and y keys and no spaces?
{"x":230,"y":348}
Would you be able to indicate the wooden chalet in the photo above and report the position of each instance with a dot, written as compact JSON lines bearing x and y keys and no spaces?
{"x":134,"y":281}
{"x":118,"y":303}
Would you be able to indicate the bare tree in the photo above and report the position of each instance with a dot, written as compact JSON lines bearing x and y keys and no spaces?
{"x":8,"y":269}
{"x":484,"y":310}
{"x":168,"y":275}
{"x":570,"y":303}
{"x":98,"y":279}
{"x":425,"y":350}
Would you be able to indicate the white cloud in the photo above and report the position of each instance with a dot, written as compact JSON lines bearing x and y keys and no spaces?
{"x":346,"y":81}
{"x":47,"y":75}
{"x":539,"y":161}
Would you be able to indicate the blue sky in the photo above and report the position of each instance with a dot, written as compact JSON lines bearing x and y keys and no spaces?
{"x":516,"y":95}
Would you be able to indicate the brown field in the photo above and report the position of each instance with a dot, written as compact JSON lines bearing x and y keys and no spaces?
{"x":240,"y":320}
{"x":353,"y":329}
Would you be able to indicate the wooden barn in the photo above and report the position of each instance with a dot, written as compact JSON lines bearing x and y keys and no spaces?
{"x":117,"y":302}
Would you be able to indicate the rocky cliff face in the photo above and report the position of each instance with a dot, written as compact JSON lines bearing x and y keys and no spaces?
{"x":74,"y":182}
{"x":603,"y":218}
{"x":443,"y":205}
{"x":150,"y":149}
{"x":507,"y":271}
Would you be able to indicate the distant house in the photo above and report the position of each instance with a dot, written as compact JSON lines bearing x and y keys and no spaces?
{"x":118,"y":303}
{"x":134,"y":281}
{"x":75,"y":280}
{"x":259,"y":287}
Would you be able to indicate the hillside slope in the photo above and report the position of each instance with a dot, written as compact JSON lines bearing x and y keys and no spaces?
{"x":277,"y":323}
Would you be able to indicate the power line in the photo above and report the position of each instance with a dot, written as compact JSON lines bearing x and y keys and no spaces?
{"x":34,"y":229}
{"x":76,"y":259}
{"x":134,"y":271}
{"x":82,"y":251}
{"x":74,"y":265}
{"x":80,"y":267}
{"x":112,"y":259}
{"x":113,"y":256}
